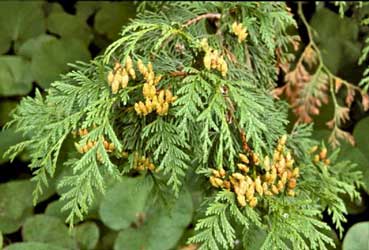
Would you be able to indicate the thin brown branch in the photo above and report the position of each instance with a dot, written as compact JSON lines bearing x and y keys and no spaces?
{"x":203,"y":16}
{"x":178,"y":73}
{"x":230,"y":56}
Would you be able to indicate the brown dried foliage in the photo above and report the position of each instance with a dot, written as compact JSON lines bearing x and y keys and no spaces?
{"x":307,"y":88}
{"x":305,"y":91}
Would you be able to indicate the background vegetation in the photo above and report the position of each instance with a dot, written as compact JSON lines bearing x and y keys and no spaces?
{"x":38,"y":39}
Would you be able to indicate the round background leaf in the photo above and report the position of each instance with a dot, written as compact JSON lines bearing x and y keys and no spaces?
{"x":47,"y":229}
{"x":361,"y":134}
{"x":87,"y":235}
{"x":132,"y":239}
{"x":33,"y":246}
{"x":19,"y":21}
{"x":107,"y":240}
{"x":8,"y":138}
{"x":33,"y":45}
{"x":5,"y":108}
{"x":54,"y":209}
{"x":85,"y":9}
{"x":11,"y":225}
{"x":337,"y":39}
{"x":162,"y":229}
{"x":112,"y":16}
{"x":122,"y":203}
{"x":1,"y":241}
{"x":52,"y":58}
{"x":53,"y":7}
{"x":357,"y":237}
{"x":15,"y":199}
{"x":69,"y":26}
{"x":15,"y":77}
{"x":49,"y":56}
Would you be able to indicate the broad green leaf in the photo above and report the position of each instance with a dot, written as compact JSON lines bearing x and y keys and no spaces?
{"x":5,"y":108}
{"x":54,"y":209}
{"x":87,"y":235}
{"x":85,"y":9}
{"x":357,"y":237}
{"x":33,"y":45}
{"x":123,"y":202}
{"x":15,"y":203}
{"x":19,"y":21}
{"x":107,"y":240}
{"x":15,"y":197}
{"x":15,"y":77}
{"x":11,"y":225}
{"x":1,"y":241}
{"x":336,"y":38}
{"x":50,"y":56}
{"x":161,"y":230}
{"x":47,"y":229}
{"x":112,"y":16}
{"x":69,"y":26}
{"x":361,"y":134}
{"x":8,"y":138}
{"x":132,"y":239}
{"x":6,"y":80}
{"x":53,"y":8}
{"x":33,"y":246}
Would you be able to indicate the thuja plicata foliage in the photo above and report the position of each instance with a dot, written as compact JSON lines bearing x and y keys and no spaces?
{"x":187,"y":88}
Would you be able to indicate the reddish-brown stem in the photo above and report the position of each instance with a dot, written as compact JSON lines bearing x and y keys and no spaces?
{"x":203,"y":16}
{"x":178,"y":73}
